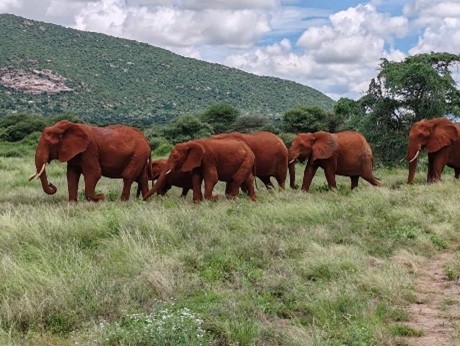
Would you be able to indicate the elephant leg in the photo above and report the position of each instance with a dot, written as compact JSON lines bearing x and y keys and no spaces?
{"x":228,"y":188}
{"x":249,"y":182}
{"x":185,"y":191}
{"x":266,"y":180}
{"x":73,"y":177}
{"x":196,"y":186}
{"x":142,"y":183}
{"x":281,"y":180}
{"x":308,"y":175}
{"x":126,"y":189}
{"x":90,"y":185}
{"x":354,"y":181}
{"x":210,"y":180}
{"x":439,"y":162}
{"x":329,"y":172}
{"x":430,"y":174}
{"x":457,"y":173}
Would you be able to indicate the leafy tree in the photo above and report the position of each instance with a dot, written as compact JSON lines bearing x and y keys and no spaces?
{"x":404,"y":92}
{"x":249,"y":123}
{"x":349,"y":113}
{"x":305,"y":119}
{"x":220,"y":116}
{"x":18,"y":126}
{"x":186,"y":128}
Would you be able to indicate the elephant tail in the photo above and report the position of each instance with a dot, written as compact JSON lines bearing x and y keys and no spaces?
{"x":254,"y":174}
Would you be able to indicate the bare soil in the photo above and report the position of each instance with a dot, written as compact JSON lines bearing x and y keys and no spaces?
{"x":436,"y":310}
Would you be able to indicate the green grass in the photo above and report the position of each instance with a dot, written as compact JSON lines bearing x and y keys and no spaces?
{"x":323,"y":268}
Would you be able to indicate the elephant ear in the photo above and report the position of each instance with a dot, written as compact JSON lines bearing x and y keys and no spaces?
{"x":443,"y":135}
{"x":74,"y":141}
{"x":324,"y":146}
{"x":194,"y":154}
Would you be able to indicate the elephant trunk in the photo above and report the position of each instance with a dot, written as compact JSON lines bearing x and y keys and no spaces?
{"x":412,"y":155}
{"x":158,"y":184}
{"x":40,"y":164}
{"x":291,"y":165}
{"x":292,"y":176}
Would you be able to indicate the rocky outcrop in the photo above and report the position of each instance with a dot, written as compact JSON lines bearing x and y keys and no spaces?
{"x":33,"y":82}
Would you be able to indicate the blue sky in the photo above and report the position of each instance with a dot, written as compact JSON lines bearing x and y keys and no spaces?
{"x":334,"y":46}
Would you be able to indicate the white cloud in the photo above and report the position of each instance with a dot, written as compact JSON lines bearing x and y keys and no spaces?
{"x":339,"y":58}
{"x":9,"y":5}
{"x":174,"y":27}
{"x":439,"y":22}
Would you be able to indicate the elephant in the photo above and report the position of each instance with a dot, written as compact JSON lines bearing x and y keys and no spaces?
{"x":115,"y":151}
{"x":270,"y":152}
{"x":176,"y":178}
{"x":345,"y":153}
{"x":211,"y":160}
{"x":440,"y":137}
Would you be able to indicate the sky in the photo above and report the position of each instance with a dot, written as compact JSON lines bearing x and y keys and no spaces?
{"x":334,"y":46}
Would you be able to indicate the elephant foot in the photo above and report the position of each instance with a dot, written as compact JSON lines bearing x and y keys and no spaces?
{"x":96,"y":198}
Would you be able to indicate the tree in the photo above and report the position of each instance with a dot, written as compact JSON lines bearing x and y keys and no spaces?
{"x":186,"y":128}
{"x":305,"y":119}
{"x":220,"y":116}
{"x":249,"y":123}
{"x":404,"y":92}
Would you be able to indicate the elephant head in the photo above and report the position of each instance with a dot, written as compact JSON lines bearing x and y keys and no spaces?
{"x":312,"y":146}
{"x":430,"y":135}
{"x":157,"y":168}
{"x":184,"y":157}
{"x":63,"y":141}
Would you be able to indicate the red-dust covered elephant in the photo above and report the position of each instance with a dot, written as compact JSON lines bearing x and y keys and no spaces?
{"x":174,"y":178}
{"x":270,"y":152}
{"x":211,"y":160}
{"x":440,"y":138}
{"x":345,"y":153}
{"x":115,"y":151}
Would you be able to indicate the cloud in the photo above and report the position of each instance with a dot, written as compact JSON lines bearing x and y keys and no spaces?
{"x":174,"y":27}
{"x":9,"y":5}
{"x":439,"y":23}
{"x":339,"y":58}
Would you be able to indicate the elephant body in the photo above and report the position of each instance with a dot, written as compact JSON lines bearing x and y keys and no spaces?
{"x":211,"y":160}
{"x":270,"y":153}
{"x":115,"y":151}
{"x":174,"y":178}
{"x":345,"y":153}
{"x":441,"y":139}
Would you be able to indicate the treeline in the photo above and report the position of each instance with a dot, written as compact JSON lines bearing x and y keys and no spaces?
{"x":404,"y":92}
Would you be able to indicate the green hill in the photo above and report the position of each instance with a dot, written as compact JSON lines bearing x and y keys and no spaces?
{"x":106,"y":79}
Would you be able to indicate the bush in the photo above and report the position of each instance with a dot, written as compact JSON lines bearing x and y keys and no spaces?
{"x":168,"y":326}
{"x":163,"y":150}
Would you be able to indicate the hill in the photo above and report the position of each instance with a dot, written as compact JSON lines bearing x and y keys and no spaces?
{"x":49,"y":69}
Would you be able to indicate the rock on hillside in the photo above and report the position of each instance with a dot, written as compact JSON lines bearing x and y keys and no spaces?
{"x":34,"y":82}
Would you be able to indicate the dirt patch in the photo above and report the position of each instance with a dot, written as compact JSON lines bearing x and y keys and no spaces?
{"x":436,"y":311}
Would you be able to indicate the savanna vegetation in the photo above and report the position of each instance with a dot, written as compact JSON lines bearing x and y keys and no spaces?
{"x":324,"y":268}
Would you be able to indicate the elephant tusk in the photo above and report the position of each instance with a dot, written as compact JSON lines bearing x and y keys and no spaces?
{"x":290,"y":161}
{"x":41,"y":171}
{"x":416,"y":155}
{"x":33,"y":176}
{"x":402,"y":159}
{"x":169,"y":171}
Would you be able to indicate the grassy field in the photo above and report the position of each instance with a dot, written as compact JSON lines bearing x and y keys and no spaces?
{"x":324,"y":268}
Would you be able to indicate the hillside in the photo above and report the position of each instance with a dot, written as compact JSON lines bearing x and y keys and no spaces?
{"x":49,"y":69}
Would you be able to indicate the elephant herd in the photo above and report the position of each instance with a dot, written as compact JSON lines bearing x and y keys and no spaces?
{"x":120,"y":151}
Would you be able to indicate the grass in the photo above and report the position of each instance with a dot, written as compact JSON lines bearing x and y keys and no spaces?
{"x":323,"y":268}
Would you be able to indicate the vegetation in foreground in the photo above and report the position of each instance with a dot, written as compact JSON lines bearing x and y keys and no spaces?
{"x":324,"y":268}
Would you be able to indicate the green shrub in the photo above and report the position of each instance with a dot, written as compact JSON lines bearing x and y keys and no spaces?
{"x":168,"y":326}
{"x":163,"y":150}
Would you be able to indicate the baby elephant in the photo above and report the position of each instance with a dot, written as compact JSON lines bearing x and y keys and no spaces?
{"x":175,"y":178}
